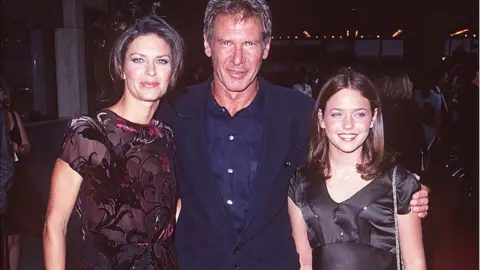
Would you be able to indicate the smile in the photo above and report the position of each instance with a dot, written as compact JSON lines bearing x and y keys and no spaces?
{"x":237,"y":74}
{"x":347,"y":137}
{"x":149,"y":84}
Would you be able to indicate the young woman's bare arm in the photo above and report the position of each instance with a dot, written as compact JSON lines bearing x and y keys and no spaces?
{"x":411,"y":241}
{"x":299,"y":231}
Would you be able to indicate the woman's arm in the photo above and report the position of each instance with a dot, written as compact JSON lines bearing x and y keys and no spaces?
{"x":299,"y":232}
{"x":179,"y":208}
{"x":411,"y":241}
{"x":63,"y":194}
{"x":25,"y":147}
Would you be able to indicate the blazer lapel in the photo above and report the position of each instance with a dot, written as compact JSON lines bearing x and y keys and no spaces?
{"x":274,"y":147}
{"x":195,"y":152}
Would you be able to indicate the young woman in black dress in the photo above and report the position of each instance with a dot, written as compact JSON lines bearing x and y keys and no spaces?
{"x":341,"y":202}
{"x":116,"y":168}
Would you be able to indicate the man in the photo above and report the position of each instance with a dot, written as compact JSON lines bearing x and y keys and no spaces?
{"x":238,"y":140}
{"x":317,"y":81}
{"x":302,"y":85}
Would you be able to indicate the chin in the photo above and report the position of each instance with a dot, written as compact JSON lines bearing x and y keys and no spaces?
{"x":236,"y":89}
{"x":237,"y":85}
{"x":347,"y":148}
{"x":152,"y":98}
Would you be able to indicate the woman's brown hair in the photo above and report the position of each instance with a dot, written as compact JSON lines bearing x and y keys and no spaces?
{"x":373,"y":148}
{"x":144,"y":26}
{"x":395,"y":85}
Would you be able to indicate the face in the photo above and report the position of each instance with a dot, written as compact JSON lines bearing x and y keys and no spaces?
{"x":305,"y":79}
{"x":347,"y":121}
{"x":237,"y":50}
{"x":147,"y":68}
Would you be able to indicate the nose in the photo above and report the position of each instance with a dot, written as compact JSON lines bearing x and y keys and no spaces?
{"x":348,"y":122}
{"x":151,"y":69}
{"x":238,"y":56}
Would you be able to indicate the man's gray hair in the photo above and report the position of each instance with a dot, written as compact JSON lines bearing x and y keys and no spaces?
{"x":242,"y":10}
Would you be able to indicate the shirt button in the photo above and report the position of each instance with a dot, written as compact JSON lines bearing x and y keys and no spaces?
{"x":230,"y":171}
{"x":231,"y":137}
{"x":229,"y":202}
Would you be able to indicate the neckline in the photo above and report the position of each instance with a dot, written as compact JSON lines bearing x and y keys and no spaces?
{"x":354,"y":195}
{"x":126,"y":121}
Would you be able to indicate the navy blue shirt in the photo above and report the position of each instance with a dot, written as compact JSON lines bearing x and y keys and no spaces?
{"x":234,"y":147}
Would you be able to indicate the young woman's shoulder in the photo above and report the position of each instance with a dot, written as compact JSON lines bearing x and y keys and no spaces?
{"x":299,"y":183}
{"x":406,"y":185}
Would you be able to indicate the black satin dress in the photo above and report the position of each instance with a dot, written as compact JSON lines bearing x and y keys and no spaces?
{"x":358,"y":233}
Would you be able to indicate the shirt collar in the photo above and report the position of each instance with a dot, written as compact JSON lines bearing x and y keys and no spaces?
{"x":254,"y":108}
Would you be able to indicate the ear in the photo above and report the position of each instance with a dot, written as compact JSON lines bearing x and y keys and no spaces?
{"x":206,"y":45}
{"x":266,"y":50}
{"x":321,"y":121}
{"x":374,"y":118}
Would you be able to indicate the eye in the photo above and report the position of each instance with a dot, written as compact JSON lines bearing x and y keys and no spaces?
{"x":249,"y":43}
{"x":137,"y":60}
{"x":360,"y":114}
{"x":335,"y":114}
{"x":226,"y":42}
{"x":162,"y":61}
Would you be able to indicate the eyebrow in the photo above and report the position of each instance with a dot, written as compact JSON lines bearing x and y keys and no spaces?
{"x":230,"y":40}
{"x":354,"y":110}
{"x":142,"y":55}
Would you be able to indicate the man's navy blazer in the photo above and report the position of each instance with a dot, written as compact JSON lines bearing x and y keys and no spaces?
{"x":204,"y":237}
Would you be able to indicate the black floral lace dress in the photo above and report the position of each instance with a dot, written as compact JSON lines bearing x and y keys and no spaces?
{"x":127,"y":201}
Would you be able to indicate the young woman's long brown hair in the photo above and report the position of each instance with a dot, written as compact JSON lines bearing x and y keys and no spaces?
{"x":373,"y":148}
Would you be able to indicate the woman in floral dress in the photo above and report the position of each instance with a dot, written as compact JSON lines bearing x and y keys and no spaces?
{"x":116,"y":167}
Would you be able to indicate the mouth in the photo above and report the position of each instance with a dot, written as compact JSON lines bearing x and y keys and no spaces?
{"x":237,"y":74}
{"x":149,"y":84}
{"x":347,"y":137}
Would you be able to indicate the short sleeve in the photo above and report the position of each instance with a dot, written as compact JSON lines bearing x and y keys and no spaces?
{"x":80,"y":145}
{"x":296,"y":188}
{"x":407,"y":185}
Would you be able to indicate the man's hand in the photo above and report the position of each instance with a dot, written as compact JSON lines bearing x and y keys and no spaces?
{"x":419,"y":202}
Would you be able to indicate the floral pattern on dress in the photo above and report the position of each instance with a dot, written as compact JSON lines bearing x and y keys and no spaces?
{"x":127,"y":201}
